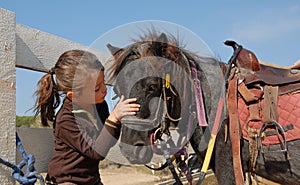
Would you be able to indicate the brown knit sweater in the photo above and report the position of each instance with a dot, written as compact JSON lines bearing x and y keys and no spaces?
{"x":80,"y":143}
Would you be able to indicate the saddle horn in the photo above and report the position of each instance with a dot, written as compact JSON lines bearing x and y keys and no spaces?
{"x":232,"y":61}
{"x":246,"y":58}
{"x":232,"y":43}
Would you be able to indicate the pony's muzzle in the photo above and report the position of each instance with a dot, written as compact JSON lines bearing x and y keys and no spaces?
{"x":138,"y":153}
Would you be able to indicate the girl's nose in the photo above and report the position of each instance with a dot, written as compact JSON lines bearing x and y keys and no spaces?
{"x":103,"y":89}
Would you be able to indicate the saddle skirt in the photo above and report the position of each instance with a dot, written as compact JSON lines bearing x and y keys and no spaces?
{"x":289,"y":116}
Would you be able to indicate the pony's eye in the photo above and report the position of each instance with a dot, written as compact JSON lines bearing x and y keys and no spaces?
{"x":151,"y":88}
{"x":133,"y":57}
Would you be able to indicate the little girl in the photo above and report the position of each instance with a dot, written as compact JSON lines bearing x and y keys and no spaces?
{"x":84,"y":130}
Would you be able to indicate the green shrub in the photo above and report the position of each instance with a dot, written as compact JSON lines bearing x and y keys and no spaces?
{"x":28,"y":121}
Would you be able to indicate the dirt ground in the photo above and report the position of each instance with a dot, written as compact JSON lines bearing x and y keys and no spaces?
{"x":115,"y":174}
{"x":126,"y":175}
{"x":140,"y":175}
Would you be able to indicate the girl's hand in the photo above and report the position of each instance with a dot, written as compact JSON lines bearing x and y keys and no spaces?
{"x":124,"y":108}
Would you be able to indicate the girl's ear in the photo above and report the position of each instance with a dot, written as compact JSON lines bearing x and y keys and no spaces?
{"x":70,"y":95}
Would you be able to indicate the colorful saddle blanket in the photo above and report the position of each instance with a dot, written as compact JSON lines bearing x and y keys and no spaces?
{"x":289,"y":118}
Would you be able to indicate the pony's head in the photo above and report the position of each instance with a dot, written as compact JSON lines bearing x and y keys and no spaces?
{"x":156,"y":71}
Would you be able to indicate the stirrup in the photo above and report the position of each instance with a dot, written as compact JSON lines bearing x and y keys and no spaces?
{"x":274,"y":124}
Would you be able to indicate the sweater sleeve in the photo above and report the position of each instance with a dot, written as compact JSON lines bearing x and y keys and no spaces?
{"x":108,"y":136}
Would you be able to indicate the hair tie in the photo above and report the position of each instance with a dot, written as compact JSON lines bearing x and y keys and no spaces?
{"x":51,"y":71}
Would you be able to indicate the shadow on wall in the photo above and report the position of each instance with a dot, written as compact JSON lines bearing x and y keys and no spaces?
{"x":40,"y":143}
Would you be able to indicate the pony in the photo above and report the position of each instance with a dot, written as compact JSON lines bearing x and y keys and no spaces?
{"x":163,"y":76}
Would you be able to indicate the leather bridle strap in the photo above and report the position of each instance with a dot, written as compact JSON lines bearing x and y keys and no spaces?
{"x":159,"y":168}
{"x":198,"y":96}
{"x":235,"y":132}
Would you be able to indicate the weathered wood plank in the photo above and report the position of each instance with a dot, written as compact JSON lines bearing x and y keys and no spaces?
{"x":7,"y":93}
{"x":39,"y":51}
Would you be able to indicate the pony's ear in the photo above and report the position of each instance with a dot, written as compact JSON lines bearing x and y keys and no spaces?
{"x":162,"y":38}
{"x":113,"y":50}
{"x":159,"y":44}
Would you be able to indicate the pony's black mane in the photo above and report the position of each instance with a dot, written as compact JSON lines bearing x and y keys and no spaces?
{"x":158,"y":44}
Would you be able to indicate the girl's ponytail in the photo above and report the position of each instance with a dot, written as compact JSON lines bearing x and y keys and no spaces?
{"x":48,"y":98}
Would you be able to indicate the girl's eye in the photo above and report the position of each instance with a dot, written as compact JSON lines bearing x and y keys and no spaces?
{"x":97,"y":89}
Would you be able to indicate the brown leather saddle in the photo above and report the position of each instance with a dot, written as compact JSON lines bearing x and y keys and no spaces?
{"x":253,"y":71}
{"x":256,"y":94}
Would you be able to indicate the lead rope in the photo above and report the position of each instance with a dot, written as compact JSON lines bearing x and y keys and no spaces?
{"x":169,"y":162}
{"x":31,"y":175}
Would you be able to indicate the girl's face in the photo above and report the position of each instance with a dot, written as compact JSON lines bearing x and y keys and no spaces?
{"x":93,"y":92}
{"x":100,"y":88}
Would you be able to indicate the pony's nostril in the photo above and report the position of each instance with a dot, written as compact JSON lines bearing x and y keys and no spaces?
{"x":140,"y":150}
{"x":139,"y":144}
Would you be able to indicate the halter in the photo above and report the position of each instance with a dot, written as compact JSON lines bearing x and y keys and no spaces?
{"x":163,"y":129}
{"x":162,"y":137}
{"x":157,"y":136}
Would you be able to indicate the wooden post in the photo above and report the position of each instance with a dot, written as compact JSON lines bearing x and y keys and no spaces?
{"x":25,"y":47}
{"x":38,"y":50}
{"x":7,"y":93}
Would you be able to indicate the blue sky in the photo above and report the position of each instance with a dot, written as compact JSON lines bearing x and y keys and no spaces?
{"x":269,"y":28}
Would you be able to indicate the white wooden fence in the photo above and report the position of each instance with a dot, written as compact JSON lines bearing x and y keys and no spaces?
{"x":29,"y":48}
